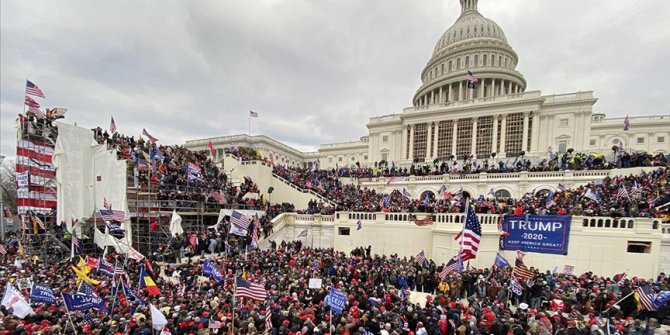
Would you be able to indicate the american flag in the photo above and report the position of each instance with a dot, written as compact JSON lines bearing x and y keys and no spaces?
{"x":471,"y":77}
{"x":32,"y":89}
{"x":303,"y":233}
{"x":218,"y":196}
{"x":247,"y":289}
{"x":37,"y":112}
{"x":76,"y":244}
{"x":635,"y":189}
{"x":622,"y":192}
{"x":3,"y":251}
{"x":645,"y":299}
{"x":561,"y":187}
{"x":240,"y":220}
{"x":268,"y":320}
{"x":454,"y":264}
{"x":421,"y":258}
{"x":520,"y":269}
{"x":620,"y":278}
{"x":253,"y":114}
{"x":112,"y":215}
{"x":151,"y":138}
{"x":254,"y":233}
{"x":31,"y":103}
{"x":112,"y":126}
{"x":470,"y":236}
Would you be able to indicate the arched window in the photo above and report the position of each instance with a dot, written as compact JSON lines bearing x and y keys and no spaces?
{"x":499,"y":60}
{"x":485,"y":59}
{"x":429,"y":194}
{"x":493,"y":60}
{"x":458,"y":63}
{"x":450,"y":68}
{"x":505,"y":61}
{"x":502,"y":194}
{"x":442,"y":71}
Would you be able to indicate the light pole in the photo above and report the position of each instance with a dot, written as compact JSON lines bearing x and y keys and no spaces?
{"x":2,"y":203}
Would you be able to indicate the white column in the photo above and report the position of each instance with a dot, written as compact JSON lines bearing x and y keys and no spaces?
{"x":436,"y":140}
{"x":411,"y":143}
{"x":473,"y":148}
{"x":450,"y":95}
{"x":494,"y":140}
{"x":503,"y":132}
{"x":432,"y":97}
{"x":524,"y":137}
{"x":493,"y":87}
{"x":502,"y":87}
{"x":453,"y":138}
{"x":482,"y":87}
{"x":535,"y":133}
{"x":429,"y":141}
{"x":403,"y":142}
{"x":441,"y":98}
{"x":460,"y":90}
{"x":509,"y":90}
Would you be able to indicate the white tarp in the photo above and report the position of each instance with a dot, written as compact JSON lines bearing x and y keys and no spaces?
{"x":87,"y":173}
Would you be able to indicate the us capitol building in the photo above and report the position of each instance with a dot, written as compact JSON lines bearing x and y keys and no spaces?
{"x":448,"y":119}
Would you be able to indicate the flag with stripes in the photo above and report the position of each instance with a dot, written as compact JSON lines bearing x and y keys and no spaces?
{"x":470,"y":236}
{"x":421,"y":259}
{"x":151,"y":138}
{"x":76,"y":244}
{"x":455,"y":264}
{"x":33,"y":160}
{"x":36,"y":112}
{"x":34,"y":90}
{"x":112,"y":126}
{"x":218,"y":197}
{"x":106,"y":267}
{"x":303,"y":233}
{"x":626,"y":123}
{"x":645,"y":299}
{"x":30,"y":102}
{"x":253,"y":114}
{"x":3,"y":251}
{"x":471,"y":77}
{"x":515,"y":286}
{"x":240,"y":220}
{"x":268,"y":320}
{"x":113,"y":215}
{"x":622,"y":192}
{"x":635,"y":189}
{"x":520,"y":268}
{"x":247,"y":289}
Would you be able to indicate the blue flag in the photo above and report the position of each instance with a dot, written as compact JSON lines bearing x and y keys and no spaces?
{"x":501,"y":262}
{"x":211,"y":270}
{"x":130,"y":294}
{"x":336,"y":300}
{"x":85,"y":288}
{"x":42,"y":293}
{"x":105,"y":267}
{"x":82,"y":302}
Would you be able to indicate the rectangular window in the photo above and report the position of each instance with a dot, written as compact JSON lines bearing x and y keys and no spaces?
{"x":385,"y":156}
{"x":385,"y":138}
{"x":514,"y":134}
{"x":562,"y":147}
{"x":365,"y":157}
{"x":343,"y":231}
{"x":639,"y":247}
{"x":444,"y":138}
{"x":339,"y":159}
{"x":464,"y":139}
{"x":660,"y":139}
{"x":420,"y":139}
{"x":564,"y":123}
{"x":484,"y":133}
{"x":330,"y":159}
{"x":592,"y":142}
{"x":640,"y":140}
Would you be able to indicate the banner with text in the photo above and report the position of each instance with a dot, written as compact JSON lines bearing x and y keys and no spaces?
{"x":547,"y":234}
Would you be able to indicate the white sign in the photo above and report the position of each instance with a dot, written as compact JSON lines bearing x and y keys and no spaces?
{"x":315,"y":283}
{"x":22,"y":181}
{"x":568,"y":269}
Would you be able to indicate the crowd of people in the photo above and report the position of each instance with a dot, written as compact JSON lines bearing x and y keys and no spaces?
{"x":378,"y":291}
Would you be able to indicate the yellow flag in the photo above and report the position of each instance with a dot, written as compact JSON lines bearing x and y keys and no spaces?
{"x":21,"y":251}
{"x":244,"y":274}
{"x":83,"y":267}
{"x":84,"y":277}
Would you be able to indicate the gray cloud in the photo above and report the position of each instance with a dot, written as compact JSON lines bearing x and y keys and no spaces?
{"x":315,"y":71}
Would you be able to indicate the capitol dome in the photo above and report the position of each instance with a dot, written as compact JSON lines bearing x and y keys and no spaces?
{"x":473,"y":43}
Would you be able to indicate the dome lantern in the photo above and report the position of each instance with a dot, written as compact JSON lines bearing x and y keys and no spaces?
{"x":469,"y":6}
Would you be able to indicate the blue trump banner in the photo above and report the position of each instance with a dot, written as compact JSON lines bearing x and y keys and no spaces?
{"x":211,"y":270}
{"x":42,"y":293}
{"x":82,"y":302}
{"x":547,"y":234}
{"x":336,"y":300}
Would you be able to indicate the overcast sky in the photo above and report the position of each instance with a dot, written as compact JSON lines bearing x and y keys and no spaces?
{"x":314,"y":70}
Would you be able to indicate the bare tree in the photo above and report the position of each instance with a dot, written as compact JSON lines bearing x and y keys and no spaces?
{"x":8,"y":185}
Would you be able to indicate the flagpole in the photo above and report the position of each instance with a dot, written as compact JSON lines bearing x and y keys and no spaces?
{"x":232,"y":322}
{"x":68,"y":315}
{"x":114,"y":284}
{"x":249,"y":122}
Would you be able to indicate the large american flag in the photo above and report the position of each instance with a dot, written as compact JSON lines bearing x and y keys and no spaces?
{"x":520,"y":268}
{"x":240,"y":220}
{"x":470,"y":236}
{"x":645,"y":299}
{"x":30,"y":102}
{"x":268,"y":320}
{"x":247,"y":289}
{"x":218,"y":196}
{"x":37,"y":112}
{"x":32,"y":89}
{"x":151,"y":138}
{"x":471,"y":77}
{"x":112,"y":215}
